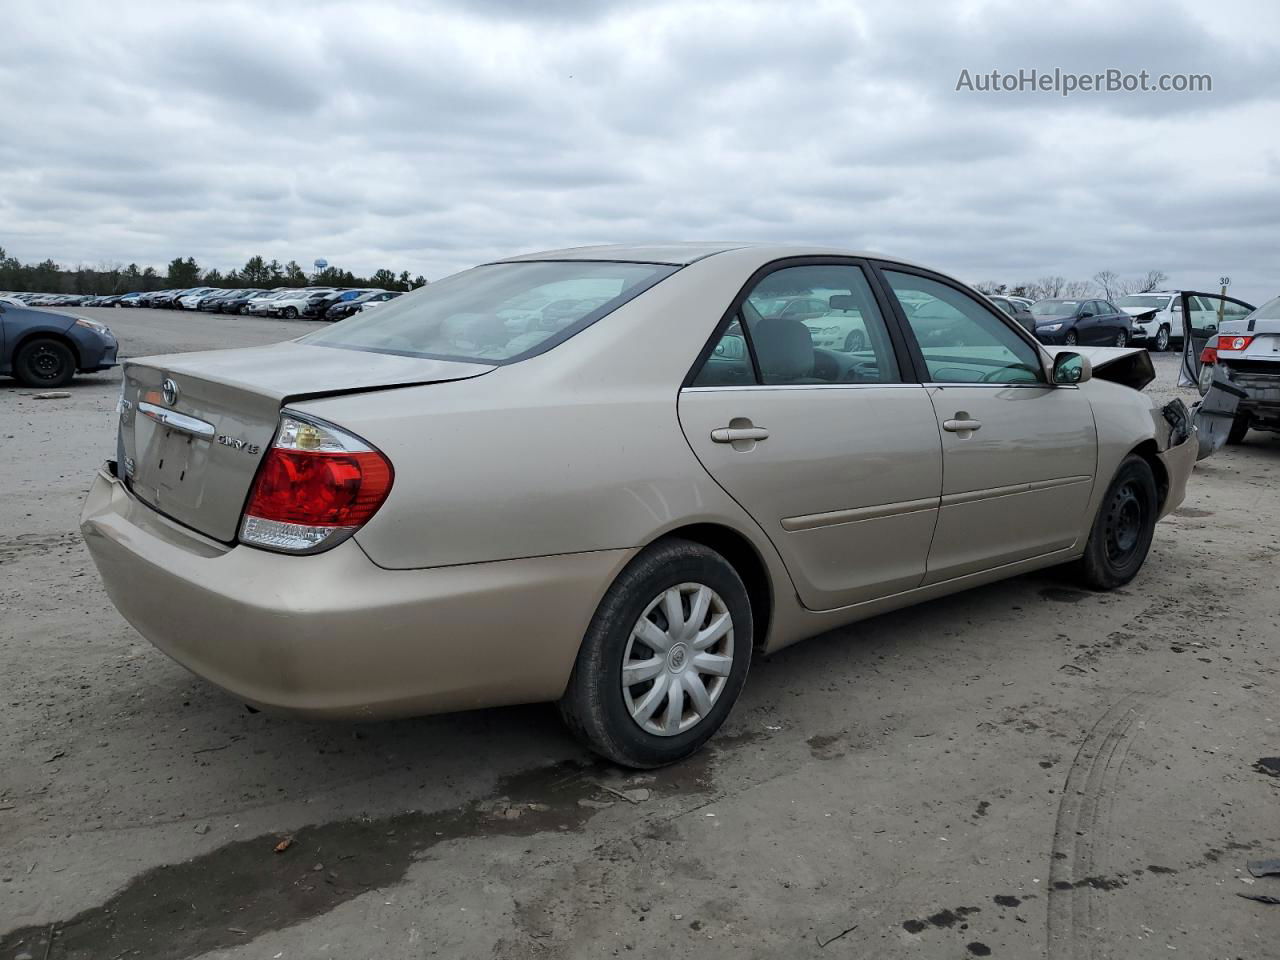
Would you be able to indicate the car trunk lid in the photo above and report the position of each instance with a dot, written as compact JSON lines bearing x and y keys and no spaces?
{"x":194,"y":427}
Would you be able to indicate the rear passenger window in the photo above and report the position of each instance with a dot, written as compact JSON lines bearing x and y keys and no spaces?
{"x":811,"y":324}
{"x":961,"y":339}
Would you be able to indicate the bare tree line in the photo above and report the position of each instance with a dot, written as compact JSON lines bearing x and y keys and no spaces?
{"x":1104,"y":283}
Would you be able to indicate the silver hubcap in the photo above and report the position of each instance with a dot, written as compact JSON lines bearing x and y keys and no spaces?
{"x":678,"y":659}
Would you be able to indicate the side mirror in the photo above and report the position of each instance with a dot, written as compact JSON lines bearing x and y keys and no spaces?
{"x":1071,"y":368}
{"x":1177,"y":308}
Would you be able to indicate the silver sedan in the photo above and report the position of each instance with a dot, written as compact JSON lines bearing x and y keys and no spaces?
{"x":607,"y":477}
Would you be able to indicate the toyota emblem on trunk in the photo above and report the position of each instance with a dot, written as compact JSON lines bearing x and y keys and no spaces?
{"x":169,"y":389}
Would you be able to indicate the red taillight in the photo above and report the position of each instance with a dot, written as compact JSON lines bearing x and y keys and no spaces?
{"x":1210,"y":352}
{"x":320,"y":489}
{"x":1231,"y":341}
{"x":316,"y":486}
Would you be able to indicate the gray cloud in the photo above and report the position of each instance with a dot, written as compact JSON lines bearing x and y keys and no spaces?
{"x":430,"y":137}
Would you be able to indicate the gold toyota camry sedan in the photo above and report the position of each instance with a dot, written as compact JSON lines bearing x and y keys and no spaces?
{"x":606,"y":477}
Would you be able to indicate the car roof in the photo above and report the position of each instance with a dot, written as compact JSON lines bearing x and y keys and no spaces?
{"x":682,"y":254}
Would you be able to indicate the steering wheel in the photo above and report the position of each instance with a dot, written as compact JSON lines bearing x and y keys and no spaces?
{"x":851,"y":375}
{"x":989,"y":377}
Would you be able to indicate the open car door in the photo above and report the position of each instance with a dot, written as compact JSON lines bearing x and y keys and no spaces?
{"x":1202,"y":315}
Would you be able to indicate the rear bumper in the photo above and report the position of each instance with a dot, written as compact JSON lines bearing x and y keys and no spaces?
{"x":335,"y":635}
{"x":1262,"y":389}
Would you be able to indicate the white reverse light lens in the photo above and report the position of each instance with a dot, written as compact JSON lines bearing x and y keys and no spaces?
{"x":300,"y":435}
{"x":279,"y":535}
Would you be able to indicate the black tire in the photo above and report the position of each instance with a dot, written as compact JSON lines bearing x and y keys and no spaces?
{"x":1071,"y":339}
{"x":1239,"y":427}
{"x":44,"y":363}
{"x":1162,"y":339}
{"x":289,"y":313}
{"x":1122,"y":339}
{"x":855,"y":342}
{"x":594,"y":705}
{"x":1122,"y":530}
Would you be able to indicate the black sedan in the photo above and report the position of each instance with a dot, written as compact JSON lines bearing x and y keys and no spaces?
{"x":226,"y":301}
{"x":1098,"y":323}
{"x":1016,"y":309}
{"x":318,"y":306}
{"x":41,"y":348}
{"x":345,"y":308}
{"x":152,"y":298}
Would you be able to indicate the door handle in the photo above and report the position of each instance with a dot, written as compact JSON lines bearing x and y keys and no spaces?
{"x":961,"y":426}
{"x":730,"y":434}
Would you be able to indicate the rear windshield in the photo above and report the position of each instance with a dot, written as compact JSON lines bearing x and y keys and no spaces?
{"x":1054,"y":308}
{"x":1268,"y":311}
{"x":1145,"y":302}
{"x":500,"y":312}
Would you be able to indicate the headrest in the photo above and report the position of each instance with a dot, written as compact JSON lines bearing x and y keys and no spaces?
{"x":784,"y":348}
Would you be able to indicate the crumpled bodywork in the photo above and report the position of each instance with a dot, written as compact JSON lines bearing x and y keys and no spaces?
{"x":1217,"y":411}
{"x":1128,"y":366}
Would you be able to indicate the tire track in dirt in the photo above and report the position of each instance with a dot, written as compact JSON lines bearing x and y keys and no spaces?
{"x":1080,"y":831}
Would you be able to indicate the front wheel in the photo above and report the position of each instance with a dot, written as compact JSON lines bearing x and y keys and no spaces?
{"x":664,"y":658}
{"x":44,"y":363}
{"x":855,"y":342}
{"x":1071,"y":339}
{"x":1162,"y":339}
{"x":1239,"y":427}
{"x":1122,"y":338}
{"x":289,"y":313}
{"x":1122,"y":530}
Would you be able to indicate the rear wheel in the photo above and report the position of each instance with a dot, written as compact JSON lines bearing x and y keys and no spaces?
{"x":44,"y":363}
{"x":1122,"y":530}
{"x":664,"y":658}
{"x":1162,"y":339}
{"x":1239,"y":427}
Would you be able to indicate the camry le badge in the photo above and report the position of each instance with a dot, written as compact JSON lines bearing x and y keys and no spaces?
{"x":237,"y":444}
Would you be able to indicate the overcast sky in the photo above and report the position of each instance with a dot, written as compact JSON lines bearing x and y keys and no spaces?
{"x":429,"y":137}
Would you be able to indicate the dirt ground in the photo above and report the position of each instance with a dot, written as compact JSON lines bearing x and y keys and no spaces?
{"x":1025,"y":770}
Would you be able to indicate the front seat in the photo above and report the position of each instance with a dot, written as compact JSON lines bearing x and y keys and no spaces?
{"x":784,"y":349}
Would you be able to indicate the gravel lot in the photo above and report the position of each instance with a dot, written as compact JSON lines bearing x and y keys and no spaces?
{"x":1025,"y":770}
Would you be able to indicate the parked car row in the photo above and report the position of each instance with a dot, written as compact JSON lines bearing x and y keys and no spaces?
{"x":328,"y":303}
{"x":1152,"y":319}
